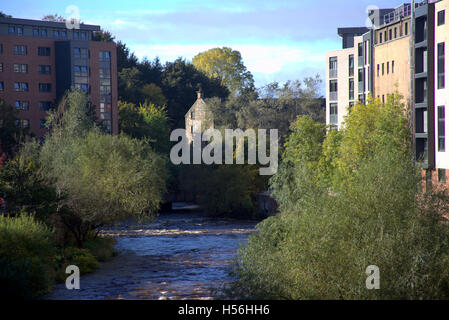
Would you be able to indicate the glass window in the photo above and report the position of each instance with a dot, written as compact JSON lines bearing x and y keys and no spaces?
{"x":442,"y":175}
{"x":36,"y":32}
{"x":20,"y":31}
{"x":44,"y":32}
{"x":43,"y":51}
{"x":333,"y":113}
{"x":441,"y":17}
{"x":56,"y":33}
{"x":76,"y":35}
{"x":2,"y":86}
{"x":12,"y":29}
{"x":64,"y":34}
{"x":441,"y":129}
{"x":44,"y":87}
{"x":441,"y":69}
{"x":45,"y":105}
{"x":83,"y":36}
{"x":20,"y":50}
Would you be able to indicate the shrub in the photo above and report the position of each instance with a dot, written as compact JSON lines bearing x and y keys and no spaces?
{"x":82,"y":258}
{"x":26,"y":263}
{"x":102,"y":248}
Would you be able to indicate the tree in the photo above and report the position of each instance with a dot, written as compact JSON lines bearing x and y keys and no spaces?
{"x":4,"y":15}
{"x":180,"y":82}
{"x":146,"y":121}
{"x":373,"y":213}
{"x":227,"y":66}
{"x":11,"y":133}
{"x":53,"y":17}
{"x":101,"y":178}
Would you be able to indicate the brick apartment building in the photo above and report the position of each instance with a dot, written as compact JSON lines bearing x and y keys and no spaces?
{"x":424,"y":84}
{"x":41,"y":60}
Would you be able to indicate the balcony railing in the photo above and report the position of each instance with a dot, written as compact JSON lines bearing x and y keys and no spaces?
{"x":333,"y":73}
{"x":333,"y":119}
{"x":333,"y":95}
{"x":360,"y":61}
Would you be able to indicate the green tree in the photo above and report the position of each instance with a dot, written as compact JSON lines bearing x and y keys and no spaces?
{"x":180,"y":82}
{"x":146,"y":121}
{"x":53,"y":17}
{"x":374,"y":213}
{"x":11,"y":134}
{"x":227,"y":66}
{"x":100,"y":178}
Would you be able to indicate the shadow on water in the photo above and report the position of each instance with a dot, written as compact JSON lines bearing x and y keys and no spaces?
{"x":176,"y":256}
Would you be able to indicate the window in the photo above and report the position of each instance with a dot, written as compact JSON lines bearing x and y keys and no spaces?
{"x":43,"y":51}
{"x":351,"y":89}
{"x":44,"y":87}
{"x":392,"y":66}
{"x":1,"y":67}
{"x":20,"y":68}
{"x":441,"y":17}
{"x":441,"y":130}
{"x":80,"y":70}
{"x":43,"y":32}
{"x":20,"y":50}
{"x":441,"y":70}
{"x":83,"y":36}
{"x":333,"y":88}
{"x":11,"y":29}
{"x":56,"y":33}
{"x":36,"y":32}
{"x":383,"y":68}
{"x":395,"y":32}
{"x":105,"y":55}
{"x":442,"y":175}
{"x":83,"y":86}
{"x":2,"y":86}
{"x":192,"y":115}
{"x":385,"y":36}
{"x":76,"y":35}
{"x":383,"y":98}
{"x":22,"y":105}
{"x":105,"y":89}
{"x":390,"y":34}
{"x":45,"y":105}
{"x":351,"y":65}
{"x":43,"y":123}
{"x":80,"y":53}
{"x":43,"y":69}
{"x":25,"y":123}
{"x":1,"y":48}
{"x":406,"y":28}
{"x":378,"y":69}
{"x":20,"y":31}
{"x":333,"y":113}
{"x":388,"y":67}
{"x":380,"y":37}
{"x":20,"y":86}
{"x":332,"y":66}
{"x":64,"y":34}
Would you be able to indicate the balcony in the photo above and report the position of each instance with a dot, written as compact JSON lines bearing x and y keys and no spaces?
{"x":333,"y":95}
{"x":333,"y":119}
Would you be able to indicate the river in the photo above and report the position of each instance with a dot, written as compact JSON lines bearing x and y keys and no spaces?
{"x":176,"y":256}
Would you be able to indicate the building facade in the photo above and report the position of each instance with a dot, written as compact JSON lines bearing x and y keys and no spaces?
{"x":41,"y":60}
{"x":198,"y":118}
{"x":407,"y":56}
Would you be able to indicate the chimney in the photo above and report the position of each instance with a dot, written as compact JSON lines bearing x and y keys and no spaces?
{"x":199,"y":95}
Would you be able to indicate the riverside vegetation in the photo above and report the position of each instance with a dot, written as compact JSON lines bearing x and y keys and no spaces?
{"x":347,"y":200}
{"x":61,"y":192}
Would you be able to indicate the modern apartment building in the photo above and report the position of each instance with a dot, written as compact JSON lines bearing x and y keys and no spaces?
{"x":441,"y":85}
{"x":424,"y":85}
{"x":392,"y":54}
{"x":346,"y":75}
{"x":41,"y":60}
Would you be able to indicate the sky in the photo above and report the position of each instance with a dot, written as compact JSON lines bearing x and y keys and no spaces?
{"x":278,"y":40}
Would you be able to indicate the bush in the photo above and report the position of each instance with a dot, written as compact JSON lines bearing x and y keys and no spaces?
{"x":26,"y":263}
{"x":102,"y":248}
{"x":82,"y":258}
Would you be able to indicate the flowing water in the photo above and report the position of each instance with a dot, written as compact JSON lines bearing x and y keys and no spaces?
{"x":176,"y":256}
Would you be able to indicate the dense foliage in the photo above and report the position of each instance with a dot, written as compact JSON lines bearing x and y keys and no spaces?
{"x":367,"y":208}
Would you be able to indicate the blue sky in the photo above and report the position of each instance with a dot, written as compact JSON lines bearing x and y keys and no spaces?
{"x":278,"y":40}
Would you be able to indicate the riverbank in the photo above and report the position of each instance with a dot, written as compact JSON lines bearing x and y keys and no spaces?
{"x":176,"y":256}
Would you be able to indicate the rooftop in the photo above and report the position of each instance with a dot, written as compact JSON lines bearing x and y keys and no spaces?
{"x":49,"y":24}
